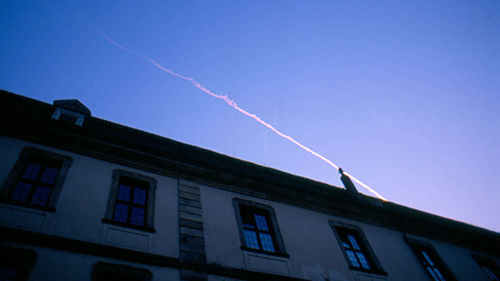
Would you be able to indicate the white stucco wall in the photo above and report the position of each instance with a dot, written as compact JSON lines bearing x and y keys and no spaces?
{"x":314,"y":251}
{"x":313,"y":248}
{"x":82,"y":204}
{"x":53,"y":265}
{"x":459,"y":260}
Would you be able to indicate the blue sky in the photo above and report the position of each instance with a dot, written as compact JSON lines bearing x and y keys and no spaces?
{"x":404,"y":95}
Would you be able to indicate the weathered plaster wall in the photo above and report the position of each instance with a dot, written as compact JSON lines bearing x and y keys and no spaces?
{"x":313,"y":248}
{"x":62,"y":265}
{"x":82,"y":204}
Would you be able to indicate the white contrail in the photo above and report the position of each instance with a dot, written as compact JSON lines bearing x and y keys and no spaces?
{"x":231,"y":103}
{"x":227,"y":100}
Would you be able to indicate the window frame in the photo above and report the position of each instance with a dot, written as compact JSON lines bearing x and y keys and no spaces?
{"x":419,"y":246}
{"x":275,"y":233}
{"x":68,"y":117}
{"x":490,"y":264}
{"x":23,"y":260}
{"x":25,"y":155}
{"x":100,"y":268}
{"x":366,"y":249}
{"x":150,"y":200}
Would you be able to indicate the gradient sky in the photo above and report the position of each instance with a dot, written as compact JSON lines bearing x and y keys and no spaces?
{"x":404,"y":95}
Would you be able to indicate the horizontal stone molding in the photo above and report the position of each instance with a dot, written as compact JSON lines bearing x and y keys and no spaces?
{"x":185,"y":238}
{"x":191,"y":210}
{"x":191,"y":224}
{"x":189,"y":189}
{"x":190,"y":203}
{"x":189,"y":216}
{"x":106,"y":251}
{"x":190,"y":196}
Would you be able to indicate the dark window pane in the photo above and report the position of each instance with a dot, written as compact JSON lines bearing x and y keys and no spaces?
{"x":438,"y":274}
{"x":41,"y":195}
{"x":257,"y":229}
{"x":247,"y":217}
{"x":431,"y":272}
{"x":251,"y":239}
{"x":49,"y":175}
{"x":32,"y":171}
{"x":267,"y":242}
{"x":21,"y":192}
{"x":490,"y":273}
{"x":139,"y":196}
{"x":261,"y":222}
{"x":353,"y":242}
{"x":36,"y":177}
{"x":248,"y":226}
{"x":344,"y":240}
{"x":346,"y":245}
{"x":356,"y":250}
{"x":431,"y":262}
{"x":124,"y":193}
{"x":362,"y":259}
{"x":131,"y":205}
{"x":352,"y":258}
{"x":427,"y":258}
{"x":121,"y":213}
{"x":67,"y":119}
{"x":137,"y":217}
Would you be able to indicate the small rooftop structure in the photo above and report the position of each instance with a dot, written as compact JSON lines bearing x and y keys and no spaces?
{"x":70,"y":111}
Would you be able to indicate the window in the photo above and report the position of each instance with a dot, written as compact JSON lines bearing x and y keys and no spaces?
{"x":431,"y":261}
{"x":131,"y":201}
{"x":258,"y":228}
{"x":489,"y":267}
{"x":356,"y":249}
{"x":71,"y":112}
{"x":36,"y":179}
{"x":103,"y":271}
{"x":16,"y":264}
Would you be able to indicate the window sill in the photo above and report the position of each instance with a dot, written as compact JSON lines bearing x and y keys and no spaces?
{"x":283,"y":255}
{"x":30,"y":206}
{"x":372,"y":271}
{"x":141,"y":228}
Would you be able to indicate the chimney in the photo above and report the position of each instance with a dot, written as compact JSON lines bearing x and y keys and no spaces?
{"x":348,"y":184}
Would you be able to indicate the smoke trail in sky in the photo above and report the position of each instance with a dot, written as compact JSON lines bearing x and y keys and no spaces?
{"x":227,"y":100}
{"x":231,"y":103}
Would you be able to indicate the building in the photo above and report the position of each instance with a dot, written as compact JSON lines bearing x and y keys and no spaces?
{"x":87,"y":199}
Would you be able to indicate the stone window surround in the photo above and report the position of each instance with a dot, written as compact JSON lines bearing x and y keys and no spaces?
{"x":370,"y":255}
{"x":280,"y":246}
{"x":18,"y":168}
{"x":490,"y":264}
{"x":417,"y":245}
{"x":149,"y":220}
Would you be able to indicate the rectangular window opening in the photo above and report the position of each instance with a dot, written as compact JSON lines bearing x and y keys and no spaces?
{"x":431,"y":261}
{"x":131,"y":201}
{"x":36,"y":179}
{"x":258,"y":228}
{"x":357,"y":251}
{"x":488,"y":266}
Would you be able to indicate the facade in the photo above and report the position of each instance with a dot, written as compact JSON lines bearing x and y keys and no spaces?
{"x":82,"y":198}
